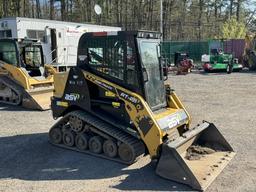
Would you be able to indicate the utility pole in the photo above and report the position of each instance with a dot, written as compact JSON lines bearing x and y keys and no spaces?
{"x":161,"y":19}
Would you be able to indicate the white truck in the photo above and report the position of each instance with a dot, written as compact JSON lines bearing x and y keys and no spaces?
{"x":59,"y":39}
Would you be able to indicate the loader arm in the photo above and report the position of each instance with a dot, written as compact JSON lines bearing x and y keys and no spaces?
{"x":140,"y":113}
{"x":24,"y":79}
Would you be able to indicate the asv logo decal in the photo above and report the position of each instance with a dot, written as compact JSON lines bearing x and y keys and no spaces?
{"x":72,"y":97}
{"x":174,"y":121}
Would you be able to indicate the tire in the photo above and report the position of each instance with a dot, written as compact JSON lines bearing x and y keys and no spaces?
{"x":229,"y":69}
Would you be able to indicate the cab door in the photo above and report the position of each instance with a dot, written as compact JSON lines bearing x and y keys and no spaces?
{"x":154,"y":83}
{"x":9,"y":52}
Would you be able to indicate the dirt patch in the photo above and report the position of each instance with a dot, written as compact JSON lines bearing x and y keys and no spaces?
{"x":195,"y":152}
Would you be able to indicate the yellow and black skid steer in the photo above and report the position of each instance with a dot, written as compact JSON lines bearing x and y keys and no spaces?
{"x":114,"y":104}
{"x":24,"y":78}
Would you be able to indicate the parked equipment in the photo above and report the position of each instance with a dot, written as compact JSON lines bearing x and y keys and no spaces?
{"x":183,"y":63}
{"x":217,"y":60}
{"x":114,"y":104}
{"x":249,"y":57}
{"x":24,"y":78}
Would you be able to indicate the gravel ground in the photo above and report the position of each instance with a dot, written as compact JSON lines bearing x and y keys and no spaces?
{"x":29,"y":163}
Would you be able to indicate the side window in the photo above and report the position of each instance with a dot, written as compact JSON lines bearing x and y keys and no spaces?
{"x":5,"y":33}
{"x":96,"y":56}
{"x":36,"y":34}
{"x":115,"y":59}
{"x":8,"y":53}
{"x":107,"y":56}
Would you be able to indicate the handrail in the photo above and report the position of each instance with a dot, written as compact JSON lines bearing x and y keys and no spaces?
{"x":64,"y":54}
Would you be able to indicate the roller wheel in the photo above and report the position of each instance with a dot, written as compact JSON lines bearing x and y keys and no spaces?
{"x":69,"y":138}
{"x":110,"y":148}
{"x":82,"y":141}
{"x":15,"y":98}
{"x":126,"y":153}
{"x":55,"y":135}
{"x":76,"y":124}
{"x":95,"y":144}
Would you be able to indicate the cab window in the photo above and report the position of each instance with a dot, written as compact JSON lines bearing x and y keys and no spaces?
{"x":8,"y":53}
{"x":107,"y":57}
{"x":113,"y":58}
{"x":33,"y":56}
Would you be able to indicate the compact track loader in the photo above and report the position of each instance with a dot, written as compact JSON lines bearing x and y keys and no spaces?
{"x":114,"y":104}
{"x":24,"y":78}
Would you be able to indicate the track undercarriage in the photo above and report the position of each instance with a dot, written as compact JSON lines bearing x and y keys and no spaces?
{"x":12,"y":93}
{"x":85,"y":133}
{"x":9,"y":92}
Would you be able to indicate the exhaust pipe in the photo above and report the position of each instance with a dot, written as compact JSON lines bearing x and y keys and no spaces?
{"x":196,"y":158}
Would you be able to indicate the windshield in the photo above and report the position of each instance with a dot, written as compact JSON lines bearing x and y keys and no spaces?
{"x":149,"y":55}
{"x":32,"y":55}
{"x":154,"y":87}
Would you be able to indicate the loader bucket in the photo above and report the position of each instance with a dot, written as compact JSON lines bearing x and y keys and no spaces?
{"x":39,"y":98}
{"x":196,"y":158}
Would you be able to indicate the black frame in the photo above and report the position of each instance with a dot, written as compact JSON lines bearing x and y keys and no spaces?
{"x":122,"y":37}
{"x":128,"y":36}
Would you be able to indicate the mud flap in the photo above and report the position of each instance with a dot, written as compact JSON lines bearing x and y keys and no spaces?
{"x":38,"y":99}
{"x":197,"y":173}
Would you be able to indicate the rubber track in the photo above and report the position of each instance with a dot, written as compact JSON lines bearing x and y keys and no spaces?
{"x":14,"y":87}
{"x":114,"y":132}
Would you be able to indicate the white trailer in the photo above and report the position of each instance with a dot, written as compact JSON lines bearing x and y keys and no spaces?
{"x":59,"y":39}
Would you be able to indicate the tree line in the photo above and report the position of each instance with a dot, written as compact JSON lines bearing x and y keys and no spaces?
{"x":182,"y":19}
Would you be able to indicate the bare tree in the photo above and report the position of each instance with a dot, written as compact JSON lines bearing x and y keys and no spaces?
{"x":38,"y":9}
{"x":238,"y":7}
{"x":51,"y":9}
{"x":5,"y":8}
{"x":231,"y":8}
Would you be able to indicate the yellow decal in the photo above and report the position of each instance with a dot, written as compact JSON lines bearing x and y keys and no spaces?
{"x":116,"y":104}
{"x":62,"y":103}
{"x":109,"y":94}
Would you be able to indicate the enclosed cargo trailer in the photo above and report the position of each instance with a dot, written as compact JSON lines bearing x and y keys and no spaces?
{"x":59,"y":39}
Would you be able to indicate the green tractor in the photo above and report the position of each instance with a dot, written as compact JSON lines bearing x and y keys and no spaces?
{"x":217,"y":60}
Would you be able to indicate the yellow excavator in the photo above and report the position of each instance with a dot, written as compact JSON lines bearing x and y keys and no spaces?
{"x":24,"y":78}
{"x":249,"y":56}
{"x":114,"y":104}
